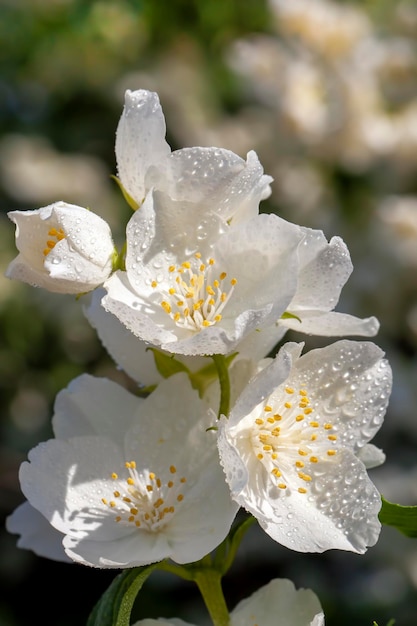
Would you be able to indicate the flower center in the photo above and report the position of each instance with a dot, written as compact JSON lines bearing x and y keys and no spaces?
{"x":196,"y":297}
{"x":56,"y":235}
{"x":288,"y":437}
{"x":142,"y":499}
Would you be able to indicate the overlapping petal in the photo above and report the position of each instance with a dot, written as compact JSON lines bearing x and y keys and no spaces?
{"x":324,"y":268}
{"x":216,"y":179}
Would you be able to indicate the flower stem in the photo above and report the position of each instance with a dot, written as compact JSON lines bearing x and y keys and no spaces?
{"x":208,"y":580}
{"x":209,"y":584}
{"x":224,"y":381}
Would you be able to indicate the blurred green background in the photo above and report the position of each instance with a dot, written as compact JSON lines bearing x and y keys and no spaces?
{"x":326,"y":93}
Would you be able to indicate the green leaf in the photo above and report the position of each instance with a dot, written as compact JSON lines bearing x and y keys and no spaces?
{"x":403,"y":518}
{"x":167,"y":365}
{"x":115,"y":605}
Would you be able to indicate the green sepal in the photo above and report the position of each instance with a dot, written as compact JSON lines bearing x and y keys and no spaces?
{"x":118,"y":260}
{"x":290,"y":316}
{"x":390,"y":623}
{"x":131,"y":202}
{"x":403,"y":518}
{"x":115,"y":605}
{"x":144,"y":392}
{"x":167,"y":365}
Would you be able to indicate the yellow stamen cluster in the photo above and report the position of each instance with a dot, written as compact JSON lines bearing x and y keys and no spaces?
{"x":143,"y":499}
{"x":51,"y":243}
{"x":195,"y":300}
{"x":286,"y":439}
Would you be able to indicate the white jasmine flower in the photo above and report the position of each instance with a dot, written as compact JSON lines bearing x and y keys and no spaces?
{"x":129,"y":481}
{"x":218,"y":180}
{"x":328,"y":28}
{"x":293,"y":445}
{"x":62,"y":248}
{"x":278,"y":603}
{"x":202,"y":293}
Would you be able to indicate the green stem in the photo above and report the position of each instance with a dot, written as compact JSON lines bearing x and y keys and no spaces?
{"x":208,"y":580}
{"x":209,"y":584}
{"x":224,"y":381}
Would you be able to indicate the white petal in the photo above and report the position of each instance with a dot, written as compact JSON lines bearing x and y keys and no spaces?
{"x":129,"y":353}
{"x":130,"y":550}
{"x":261,"y":386}
{"x":261,"y":341}
{"x":31,"y":234}
{"x":330,"y":324}
{"x":140,"y":140}
{"x":349,"y":383}
{"x":236,"y":472}
{"x":63,"y":480}
{"x":164,"y":232}
{"x":66,"y":266}
{"x":262,"y":254}
{"x":216,"y":179}
{"x":324,"y":269}
{"x":279,"y":604}
{"x":18,"y":269}
{"x":339,"y":511}
{"x":36,"y":533}
{"x":137,"y":314}
{"x":92,"y":406}
{"x":371,"y":456}
{"x":87,"y":233}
